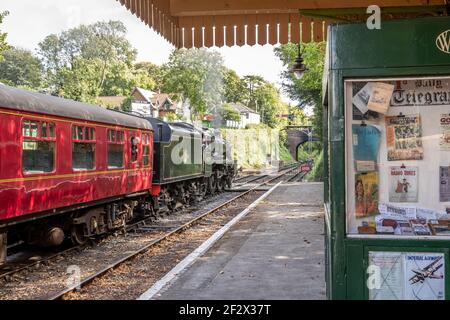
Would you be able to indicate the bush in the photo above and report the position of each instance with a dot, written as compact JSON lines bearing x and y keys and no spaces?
{"x":317,"y":173}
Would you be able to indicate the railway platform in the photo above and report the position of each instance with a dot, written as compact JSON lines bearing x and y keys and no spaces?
{"x":275,"y":252}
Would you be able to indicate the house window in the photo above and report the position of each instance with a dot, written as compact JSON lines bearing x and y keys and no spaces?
{"x":115,"y":149}
{"x":83,"y":148}
{"x":145,"y":150}
{"x":38,"y":147}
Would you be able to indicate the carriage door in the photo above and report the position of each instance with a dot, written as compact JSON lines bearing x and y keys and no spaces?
{"x":134,"y":157}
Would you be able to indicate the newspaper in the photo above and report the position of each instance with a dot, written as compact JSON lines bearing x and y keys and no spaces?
{"x":403,"y":185}
{"x":404,"y":138}
{"x":397,"y":212}
{"x":361,"y":99}
{"x":381,"y":97}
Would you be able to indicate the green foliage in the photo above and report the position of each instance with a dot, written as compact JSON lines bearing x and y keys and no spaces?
{"x":3,"y":44}
{"x":234,"y":87}
{"x":228,"y":113}
{"x":101,"y":46}
{"x":149,"y":76}
{"x":196,"y":74}
{"x":285,"y":155}
{"x":172,"y":117}
{"x":126,"y":104}
{"x":20,"y":68}
{"x":317,"y":173}
{"x":308,"y":90}
{"x":81,"y":81}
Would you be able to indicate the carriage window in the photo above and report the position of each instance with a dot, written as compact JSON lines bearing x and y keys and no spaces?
{"x":83,"y":151}
{"x":134,"y":149}
{"x":145,"y":150}
{"x":38,"y":148}
{"x":115,"y":149}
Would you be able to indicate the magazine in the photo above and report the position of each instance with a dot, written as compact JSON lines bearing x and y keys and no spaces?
{"x":444,"y":184}
{"x":366,"y":194}
{"x":420,"y":227}
{"x":424,"y":276}
{"x":366,"y":145}
{"x":404,"y":138}
{"x":403,"y":184}
{"x":444,"y":140}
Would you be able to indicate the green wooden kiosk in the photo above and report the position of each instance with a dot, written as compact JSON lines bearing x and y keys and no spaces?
{"x":387,"y":188}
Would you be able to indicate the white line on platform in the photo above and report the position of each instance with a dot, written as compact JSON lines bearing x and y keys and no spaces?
{"x":190,"y":259}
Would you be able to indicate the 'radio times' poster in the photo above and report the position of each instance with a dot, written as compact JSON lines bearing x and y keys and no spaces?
{"x":403,"y":184}
{"x":404,"y":138}
{"x":424,"y":276}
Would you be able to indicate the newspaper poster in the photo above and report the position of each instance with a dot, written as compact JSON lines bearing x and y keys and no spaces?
{"x":403,"y":184}
{"x":424,"y":276}
{"x":385,"y":280}
{"x":366,"y":145}
{"x":381,"y":97}
{"x":366,"y":194}
{"x":404,"y":138}
{"x":361,"y":99}
{"x":444,"y":139}
{"x":444,"y":184}
{"x":396,"y":212}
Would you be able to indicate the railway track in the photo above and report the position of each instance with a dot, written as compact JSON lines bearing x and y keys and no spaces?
{"x":299,"y":177}
{"x":169,"y":233}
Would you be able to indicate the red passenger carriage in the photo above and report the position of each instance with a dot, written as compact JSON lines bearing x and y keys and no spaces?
{"x":76,"y":167}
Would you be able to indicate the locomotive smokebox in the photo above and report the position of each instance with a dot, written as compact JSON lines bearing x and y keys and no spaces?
{"x":49,"y":237}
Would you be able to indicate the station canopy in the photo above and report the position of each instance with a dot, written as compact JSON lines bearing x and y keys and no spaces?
{"x":207,"y":23}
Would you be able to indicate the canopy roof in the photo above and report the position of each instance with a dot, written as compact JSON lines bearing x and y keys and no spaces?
{"x":205,"y":23}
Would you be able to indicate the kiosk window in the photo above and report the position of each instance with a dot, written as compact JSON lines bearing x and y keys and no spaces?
{"x":398,"y":157}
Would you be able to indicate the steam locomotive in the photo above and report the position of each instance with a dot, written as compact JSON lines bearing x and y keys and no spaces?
{"x":74,"y":170}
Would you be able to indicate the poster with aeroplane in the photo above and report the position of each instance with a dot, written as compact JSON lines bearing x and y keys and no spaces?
{"x":424,"y":276}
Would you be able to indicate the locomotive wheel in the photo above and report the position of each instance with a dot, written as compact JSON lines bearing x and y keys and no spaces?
{"x":229,"y":182}
{"x":203,"y":189}
{"x":212,"y":185}
{"x":221,"y":185}
{"x":78,"y":235}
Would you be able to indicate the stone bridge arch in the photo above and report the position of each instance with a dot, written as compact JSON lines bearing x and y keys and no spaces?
{"x":298,"y":135}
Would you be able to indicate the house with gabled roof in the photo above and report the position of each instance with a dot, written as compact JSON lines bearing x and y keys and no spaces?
{"x":155,"y":104}
{"x":248,"y":115}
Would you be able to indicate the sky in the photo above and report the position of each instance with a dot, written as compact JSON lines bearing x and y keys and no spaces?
{"x":30,"y":21}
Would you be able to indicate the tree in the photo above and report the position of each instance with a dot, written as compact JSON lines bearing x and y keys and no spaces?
{"x":102,"y":45}
{"x":228,"y":113}
{"x":150,"y":76}
{"x":234,"y":88}
{"x":81,"y":81}
{"x":20,"y":68}
{"x":3,"y":45}
{"x":308,"y":90}
{"x":197,"y":75}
